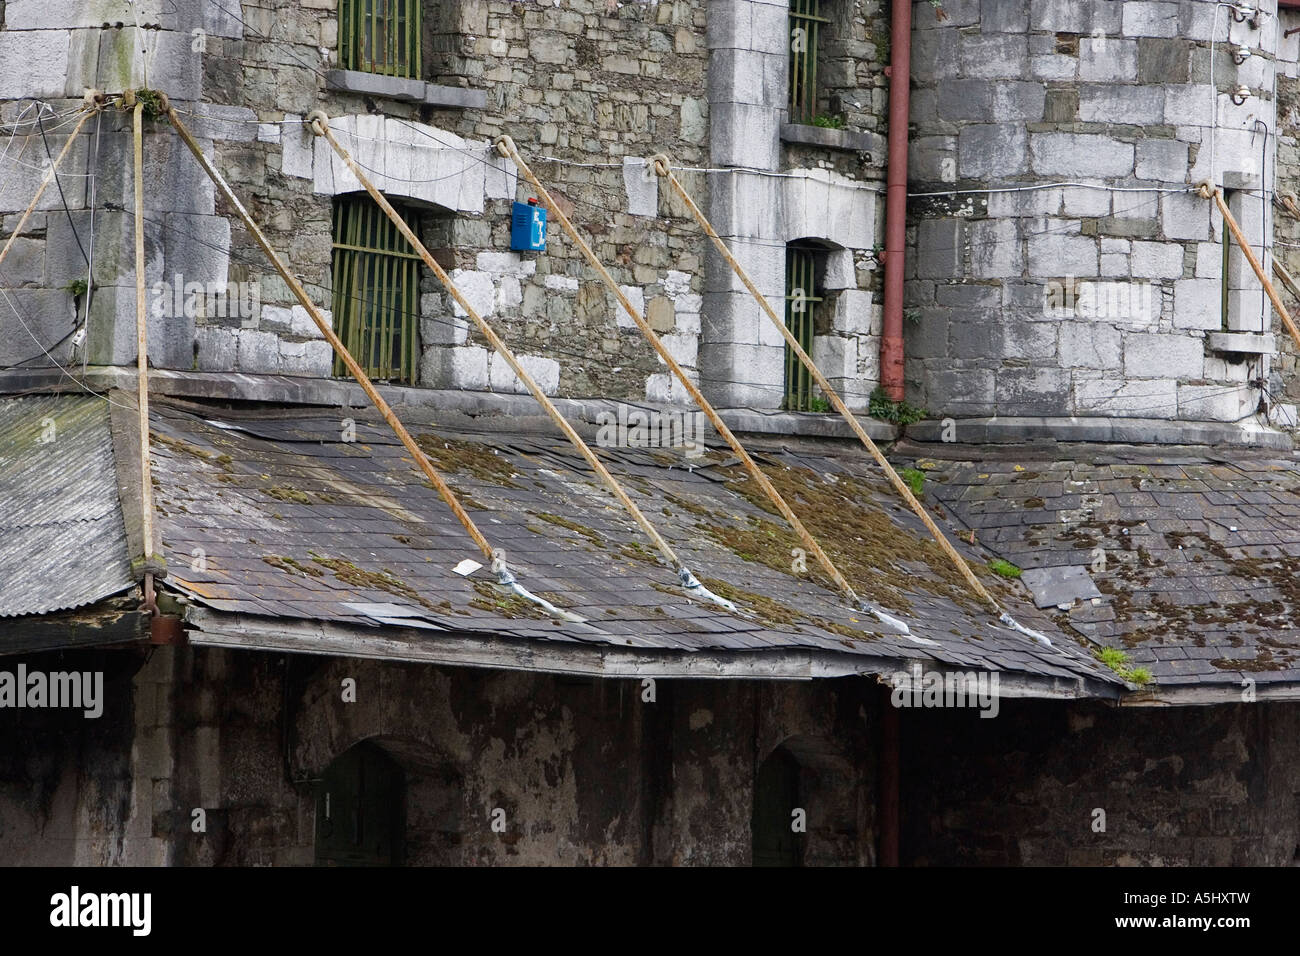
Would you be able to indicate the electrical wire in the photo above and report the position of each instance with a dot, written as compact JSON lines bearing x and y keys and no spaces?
{"x":62,"y":198}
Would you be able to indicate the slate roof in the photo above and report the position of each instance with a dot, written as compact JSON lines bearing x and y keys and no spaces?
{"x":292,"y":522}
{"x":62,"y":538}
{"x":1195,"y":555}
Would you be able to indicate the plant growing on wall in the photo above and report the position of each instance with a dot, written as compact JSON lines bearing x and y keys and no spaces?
{"x":882,"y":406}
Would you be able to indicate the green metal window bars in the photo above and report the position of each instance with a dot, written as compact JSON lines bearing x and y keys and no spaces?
{"x":805,"y":24}
{"x":380,"y":36}
{"x":376,"y":292}
{"x":801,"y":299}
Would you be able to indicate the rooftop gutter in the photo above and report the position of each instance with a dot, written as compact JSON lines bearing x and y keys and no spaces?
{"x":210,"y":628}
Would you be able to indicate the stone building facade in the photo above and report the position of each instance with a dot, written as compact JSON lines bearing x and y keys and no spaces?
{"x":1107,"y":296}
{"x":1053,"y":151}
{"x":588,"y":92}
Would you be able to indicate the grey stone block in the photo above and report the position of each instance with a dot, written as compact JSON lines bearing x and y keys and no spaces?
{"x":996,"y":56}
{"x":403,"y":89}
{"x":1162,"y":160}
{"x":975,"y":336}
{"x":1148,"y":19}
{"x":1050,"y":253}
{"x":1164,"y":61}
{"x":939,"y":249}
{"x":1215,"y":403}
{"x":216,"y":349}
{"x":1117,"y":397}
{"x":258,"y":351}
{"x":934,"y":55}
{"x":1032,"y":391}
{"x":1162,"y":355}
{"x":1108,"y":103}
{"x":842,"y":139}
{"x":1243,"y":343}
{"x":1198,"y":304}
{"x":114,"y":249}
{"x":33,"y":62}
{"x":728,"y":24}
{"x":958,"y":393}
{"x":1185,"y":216}
{"x":1107,"y":59}
{"x":744,"y":135}
{"x":996,"y":249}
{"x":25,"y":264}
{"x":927,"y":338}
{"x":990,"y":151}
{"x":1083,"y":17}
{"x":1089,"y":345}
{"x":196,"y":247}
{"x":229,"y":123}
{"x":38,"y":320}
{"x":1157,"y":260}
{"x":1075,"y":154}
{"x":751,"y":376}
{"x":932,"y":159}
{"x":1029,"y":340}
{"x":745,"y":76}
{"x":1003,"y":16}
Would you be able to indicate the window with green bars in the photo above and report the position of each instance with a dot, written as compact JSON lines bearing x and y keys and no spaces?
{"x":806,"y":21}
{"x":376,"y":291}
{"x":380,"y":36}
{"x":803,"y":265}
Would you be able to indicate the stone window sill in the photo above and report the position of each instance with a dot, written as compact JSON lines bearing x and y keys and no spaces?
{"x":842,"y":139}
{"x":406,"y":90}
{"x":1244,"y":343}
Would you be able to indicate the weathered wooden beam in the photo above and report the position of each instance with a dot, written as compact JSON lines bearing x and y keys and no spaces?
{"x":116,"y":620}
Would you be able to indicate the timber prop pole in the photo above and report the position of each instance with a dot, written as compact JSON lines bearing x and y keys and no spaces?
{"x":498,"y":565}
{"x":1209,"y":191}
{"x":663,"y":168}
{"x":45,"y":183}
{"x":319,"y":123}
{"x":506,"y":147}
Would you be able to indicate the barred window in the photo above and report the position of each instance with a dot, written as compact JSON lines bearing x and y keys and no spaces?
{"x":380,"y":36}
{"x":805,"y":28}
{"x":376,"y":291}
{"x":805,"y":264}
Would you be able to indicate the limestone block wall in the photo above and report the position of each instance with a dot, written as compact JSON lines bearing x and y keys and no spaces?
{"x":1031,"y":298}
{"x":1284,"y":381}
{"x":831,"y":195}
{"x":49,"y":54}
{"x":588,"y":92}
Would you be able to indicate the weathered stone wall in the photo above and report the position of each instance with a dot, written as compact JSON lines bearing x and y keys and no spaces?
{"x":830,"y":193}
{"x":1019,"y":94}
{"x":587,"y":92}
{"x":586,"y":771}
{"x":1200,"y":786}
{"x":1284,"y":382}
{"x":78,"y":791}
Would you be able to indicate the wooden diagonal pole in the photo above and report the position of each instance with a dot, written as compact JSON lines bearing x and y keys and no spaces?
{"x":142,"y":337}
{"x":506,"y":146}
{"x":1210,"y":191}
{"x":320,"y":126}
{"x":421,"y":460}
{"x":45,"y":183}
{"x":664,"y":170}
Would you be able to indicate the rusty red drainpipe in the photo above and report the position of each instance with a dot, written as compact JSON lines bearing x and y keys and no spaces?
{"x":899,"y":72}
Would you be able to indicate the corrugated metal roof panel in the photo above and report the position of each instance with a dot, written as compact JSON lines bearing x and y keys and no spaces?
{"x":62,"y":539}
